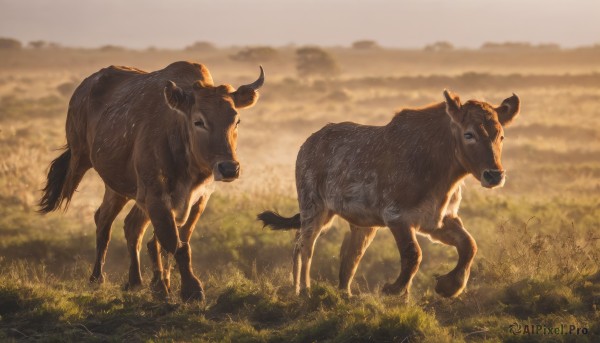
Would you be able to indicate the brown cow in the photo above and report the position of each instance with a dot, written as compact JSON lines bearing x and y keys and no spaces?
{"x":161,"y":139}
{"x":405,"y":175}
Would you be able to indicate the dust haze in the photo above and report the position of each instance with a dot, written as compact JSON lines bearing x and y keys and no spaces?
{"x":538,"y":257}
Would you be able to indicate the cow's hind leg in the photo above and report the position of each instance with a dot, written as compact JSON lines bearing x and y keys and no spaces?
{"x":111,"y":205}
{"x":453,"y":233}
{"x":410,"y":259}
{"x":136,"y":223}
{"x":313,"y":222}
{"x":352,"y":252}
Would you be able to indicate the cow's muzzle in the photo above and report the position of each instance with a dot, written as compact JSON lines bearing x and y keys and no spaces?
{"x":492,"y":178}
{"x":227,"y":171}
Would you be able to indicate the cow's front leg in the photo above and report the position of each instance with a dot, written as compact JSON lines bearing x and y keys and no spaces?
{"x":410,"y":259}
{"x":453,"y":233}
{"x":167,"y":233}
{"x":191,"y":287}
{"x":159,"y":285}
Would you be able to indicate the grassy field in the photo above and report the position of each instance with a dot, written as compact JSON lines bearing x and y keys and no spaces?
{"x":539,"y":251}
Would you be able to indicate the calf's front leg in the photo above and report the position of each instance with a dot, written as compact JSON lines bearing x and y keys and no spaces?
{"x":410,"y":259}
{"x":453,"y":233}
{"x":352,"y":251}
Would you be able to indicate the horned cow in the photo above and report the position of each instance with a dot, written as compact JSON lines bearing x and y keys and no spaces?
{"x":405,"y":175}
{"x":161,"y":139}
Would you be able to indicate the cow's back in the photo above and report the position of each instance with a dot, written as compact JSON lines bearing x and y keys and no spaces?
{"x":119,"y":110}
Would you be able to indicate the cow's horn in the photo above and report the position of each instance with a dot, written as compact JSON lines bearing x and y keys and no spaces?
{"x":259,"y":82}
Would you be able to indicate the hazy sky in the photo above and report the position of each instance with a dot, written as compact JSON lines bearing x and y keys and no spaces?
{"x":395,"y":23}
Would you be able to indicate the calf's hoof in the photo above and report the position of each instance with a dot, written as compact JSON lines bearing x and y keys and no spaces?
{"x":393,"y":289}
{"x":451,"y":285}
{"x":192,"y":290}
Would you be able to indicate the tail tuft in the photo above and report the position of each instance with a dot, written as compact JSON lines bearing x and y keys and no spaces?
{"x":278,"y":222}
{"x":52,"y":196}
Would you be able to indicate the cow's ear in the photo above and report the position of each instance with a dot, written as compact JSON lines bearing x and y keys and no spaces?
{"x":175,"y":97}
{"x":244,"y":97}
{"x":453,"y":106}
{"x":508,"y":110}
{"x":247,"y":95}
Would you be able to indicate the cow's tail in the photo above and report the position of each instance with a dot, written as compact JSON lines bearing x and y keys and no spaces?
{"x":57,"y":188}
{"x":278,"y":222}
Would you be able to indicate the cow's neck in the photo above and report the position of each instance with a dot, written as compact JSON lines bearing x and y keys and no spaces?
{"x":184,"y":157}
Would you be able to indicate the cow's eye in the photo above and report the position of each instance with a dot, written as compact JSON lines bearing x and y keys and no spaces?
{"x":238,"y":122}
{"x":200,"y":123}
{"x":501,"y":138}
{"x":469,"y":136}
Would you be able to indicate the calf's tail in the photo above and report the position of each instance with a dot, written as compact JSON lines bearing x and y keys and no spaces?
{"x":278,"y":222}
{"x":54,"y":193}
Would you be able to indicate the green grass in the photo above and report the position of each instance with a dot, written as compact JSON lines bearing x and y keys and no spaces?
{"x":538,"y":237}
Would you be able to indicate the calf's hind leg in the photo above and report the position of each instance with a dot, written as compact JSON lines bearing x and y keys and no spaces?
{"x":352,"y":252}
{"x":312,"y":225}
{"x":111,"y":205}
{"x":453,"y":233}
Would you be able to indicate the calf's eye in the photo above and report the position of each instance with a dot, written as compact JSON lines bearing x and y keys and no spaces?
{"x":469,"y":136}
{"x":199,"y":123}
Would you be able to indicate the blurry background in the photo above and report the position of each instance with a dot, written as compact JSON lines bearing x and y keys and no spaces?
{"x":325,"y":61}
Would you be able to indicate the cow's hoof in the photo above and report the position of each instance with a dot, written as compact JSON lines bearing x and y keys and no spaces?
{"x":192,"y":290}
{"x":451,"y":285}
{"x":159,"y":288}
{"x":99,"y":279}
{"x":132,"y":286}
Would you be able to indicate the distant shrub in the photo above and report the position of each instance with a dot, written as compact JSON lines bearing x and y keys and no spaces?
{"x":201,"y":46}
{"x":314,"y":61}
{"x":365,"y":45}
{"x":439,"y":47}
{"x":258,"y":54}
{"x":508,"y":46}
{"x":66,"y":89}
{"x":37,"y":44}
{"x":10,"y":44}
{"x":111,"y":48}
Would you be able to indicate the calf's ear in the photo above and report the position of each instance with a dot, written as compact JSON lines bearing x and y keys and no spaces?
{"x":508,"y":110}
{"x":453,"y":106}
{"x":175,"y":97}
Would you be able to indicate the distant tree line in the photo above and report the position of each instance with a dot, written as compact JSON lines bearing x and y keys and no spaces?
{"x":13,"y":44}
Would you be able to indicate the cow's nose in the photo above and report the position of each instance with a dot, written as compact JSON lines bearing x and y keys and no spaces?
{"x":229,"y":169}
{"x":493,"y":177}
